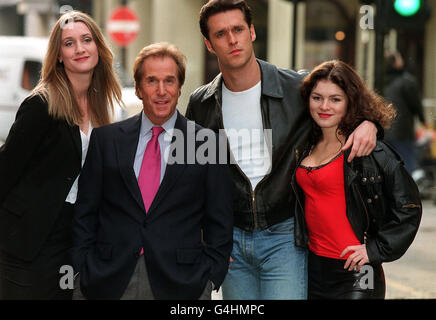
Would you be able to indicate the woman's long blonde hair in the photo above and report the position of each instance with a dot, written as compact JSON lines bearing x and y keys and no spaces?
{"x":54,"y":85}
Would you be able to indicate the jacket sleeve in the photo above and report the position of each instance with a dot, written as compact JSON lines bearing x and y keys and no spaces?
{"x":31,"y":125}
{"x":401,"y":219}
{"x":217,"y":223}
{"x":85,"y":221}
{"x":380,"y":129}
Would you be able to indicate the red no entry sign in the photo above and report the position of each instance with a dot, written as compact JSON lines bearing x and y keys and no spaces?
{"x":123,"y":26}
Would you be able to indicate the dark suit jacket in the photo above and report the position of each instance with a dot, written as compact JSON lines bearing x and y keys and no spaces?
{"x":39,"y":162}
{"x":186,"y":235}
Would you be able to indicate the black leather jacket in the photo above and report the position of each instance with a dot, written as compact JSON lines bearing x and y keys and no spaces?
{"x":383,"y":204}
{"x":282,"y":111}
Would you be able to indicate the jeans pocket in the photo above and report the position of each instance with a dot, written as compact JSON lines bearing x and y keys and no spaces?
{"x":285,"y":227}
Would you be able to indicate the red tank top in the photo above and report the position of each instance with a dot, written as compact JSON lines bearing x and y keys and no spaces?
{"x":330,"y":231}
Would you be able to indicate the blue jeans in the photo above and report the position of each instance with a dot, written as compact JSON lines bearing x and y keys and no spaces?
{"x":266,"y":265}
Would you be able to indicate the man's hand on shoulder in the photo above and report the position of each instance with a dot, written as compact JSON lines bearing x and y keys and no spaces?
{"x":362,"y":141}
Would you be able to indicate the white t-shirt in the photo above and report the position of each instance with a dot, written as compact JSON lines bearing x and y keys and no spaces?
{"x":242,"y":119}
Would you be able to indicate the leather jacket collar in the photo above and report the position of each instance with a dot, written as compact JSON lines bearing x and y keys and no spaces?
{"x":270,"y":83}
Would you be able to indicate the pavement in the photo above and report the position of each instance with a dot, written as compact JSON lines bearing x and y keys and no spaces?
{"x":413,"y":276}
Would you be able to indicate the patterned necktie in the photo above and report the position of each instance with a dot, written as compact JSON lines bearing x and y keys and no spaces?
{"x":149,"y":176}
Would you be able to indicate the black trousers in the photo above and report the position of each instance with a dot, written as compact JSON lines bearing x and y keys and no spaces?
{"x":39,"y":279}
{"x":329,"y":280}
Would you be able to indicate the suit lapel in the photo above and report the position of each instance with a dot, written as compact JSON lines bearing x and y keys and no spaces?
{"x":172,"y":171}
{"x":74,"y":133}
{"x":126,"y":145}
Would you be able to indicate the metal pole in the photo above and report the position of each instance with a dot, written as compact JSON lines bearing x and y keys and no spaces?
{"x":294,"y":35}
{"x":123,"y":48}
{"x":380,"y":30}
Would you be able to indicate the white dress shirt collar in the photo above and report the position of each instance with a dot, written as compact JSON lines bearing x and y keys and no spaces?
{"x":147,"y":125}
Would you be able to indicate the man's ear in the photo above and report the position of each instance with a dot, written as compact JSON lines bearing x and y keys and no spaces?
{"x":252,"y":33}
{"x":209,"y":46}
{"x":138,"y":94}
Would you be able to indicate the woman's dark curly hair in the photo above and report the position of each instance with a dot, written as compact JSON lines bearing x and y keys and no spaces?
{"x":363,"y":103}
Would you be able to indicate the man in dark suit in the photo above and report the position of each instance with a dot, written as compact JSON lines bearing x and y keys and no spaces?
{"x":144,"y":226}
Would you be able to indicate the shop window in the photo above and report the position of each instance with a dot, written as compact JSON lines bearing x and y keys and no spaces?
{"x":330,"y":33}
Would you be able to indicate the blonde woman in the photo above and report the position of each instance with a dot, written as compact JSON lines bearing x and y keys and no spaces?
{"x":43,"y":154}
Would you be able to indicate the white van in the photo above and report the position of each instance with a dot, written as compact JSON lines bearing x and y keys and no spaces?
{"x":20,"y":67}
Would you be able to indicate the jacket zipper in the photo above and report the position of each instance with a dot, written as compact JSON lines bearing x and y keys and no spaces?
{"x":252,"y":192}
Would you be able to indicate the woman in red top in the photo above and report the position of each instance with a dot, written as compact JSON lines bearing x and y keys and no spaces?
{"x":336,"y":227}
